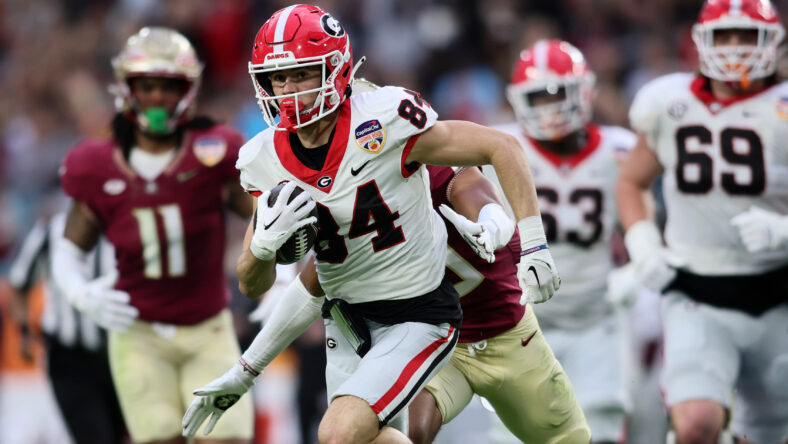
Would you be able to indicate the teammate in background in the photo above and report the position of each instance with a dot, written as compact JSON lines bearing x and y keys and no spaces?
{"x":718,"y":139}
{"x":574,"y":165}
{"x":502,"y":355}
{"x":157,"y":191}
{"x":380,"y":247}
{"x":77,"y":362}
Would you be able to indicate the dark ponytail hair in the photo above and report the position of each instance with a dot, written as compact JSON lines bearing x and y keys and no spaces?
{"x":123,"y":131}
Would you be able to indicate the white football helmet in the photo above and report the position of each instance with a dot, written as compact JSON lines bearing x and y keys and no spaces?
{"x":156,"y":52}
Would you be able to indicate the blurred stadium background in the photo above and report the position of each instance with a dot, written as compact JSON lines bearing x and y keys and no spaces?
{"x":54,"y":72}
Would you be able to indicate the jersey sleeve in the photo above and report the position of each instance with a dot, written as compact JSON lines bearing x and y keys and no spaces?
{"x":250,"y":171}
{"x":403,"y":113}
{"x":234,"y":142}
{"x":75,"y":174}
{"x":622,"y":140}
{"x":645,"y":109}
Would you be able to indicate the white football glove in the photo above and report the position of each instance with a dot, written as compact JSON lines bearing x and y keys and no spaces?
{"x":761,"y":230}
{"x":493,"y":230}
{"x":276,"y":223}
{"x":622,"y":286}
{"x":475,"y":234}
{"x":107,"y":307}
{"x":536,"y":271}
{"x":215,"y":398}
{"x":653,"y":265}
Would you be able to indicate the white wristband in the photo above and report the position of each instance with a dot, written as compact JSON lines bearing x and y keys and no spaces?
{"x":500,"y":226}
{"x":531,"y":232}
{"x":294,"y":312}
{"x":642,"y":239}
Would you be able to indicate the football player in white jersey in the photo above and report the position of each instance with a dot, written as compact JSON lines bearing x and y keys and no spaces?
{"x":718,"y":139}
{"x":380,"y":247}
{"x":574,"y":164}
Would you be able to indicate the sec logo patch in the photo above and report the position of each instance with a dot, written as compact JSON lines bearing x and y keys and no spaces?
{"x":370,"y":136}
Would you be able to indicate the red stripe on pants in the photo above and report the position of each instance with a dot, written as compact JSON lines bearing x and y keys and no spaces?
{"x":406,"y":374}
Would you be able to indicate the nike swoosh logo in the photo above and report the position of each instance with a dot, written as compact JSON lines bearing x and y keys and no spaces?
{"x":533,"y":269}
{"x":355,"y":171}
{"x":186,"y":175}
{"x":526,"y":341}
{"x":267,"y":226}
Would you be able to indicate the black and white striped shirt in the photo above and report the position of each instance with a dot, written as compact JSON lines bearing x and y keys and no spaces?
{"x":60,"y":320}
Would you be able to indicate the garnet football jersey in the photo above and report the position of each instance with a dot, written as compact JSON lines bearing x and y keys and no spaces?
{"x":379,"y":237}
{"x":169,"y":232}
{"x":489,"y":293}
{"x":576,"y":199}
{"x":719,"y":159}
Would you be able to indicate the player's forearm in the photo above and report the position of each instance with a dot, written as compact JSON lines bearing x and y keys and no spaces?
{"x":294,"y":312}
{"x":514,"y":174}
{"x":631,"y":202}
{"x":68,"y":267}
{"x":255,"y":276}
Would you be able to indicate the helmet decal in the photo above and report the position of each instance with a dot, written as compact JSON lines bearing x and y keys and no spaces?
{"x":331,"y":26}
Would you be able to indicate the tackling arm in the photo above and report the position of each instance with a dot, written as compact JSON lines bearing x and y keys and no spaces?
{"x":474,"y":197}
{"x":466,"y":143}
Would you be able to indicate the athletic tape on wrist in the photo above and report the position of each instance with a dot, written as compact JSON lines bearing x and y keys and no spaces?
{"x":248,"y":368}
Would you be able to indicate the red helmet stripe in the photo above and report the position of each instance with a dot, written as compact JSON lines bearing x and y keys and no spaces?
{"x":540,"y":55}
{"x":281,"y":24}
{"x":735,"y":7}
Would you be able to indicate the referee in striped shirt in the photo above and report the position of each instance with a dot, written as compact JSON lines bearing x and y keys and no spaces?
{"x":76,"y":347}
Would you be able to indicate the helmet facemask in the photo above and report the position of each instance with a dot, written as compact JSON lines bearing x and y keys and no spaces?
{"x":742,"y":62}
{"x":293,"y":112}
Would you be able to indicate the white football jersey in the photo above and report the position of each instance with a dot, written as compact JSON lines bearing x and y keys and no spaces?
{"x":379,"y":237}
{"x":577,"y":202}
{"x":719,"y":159}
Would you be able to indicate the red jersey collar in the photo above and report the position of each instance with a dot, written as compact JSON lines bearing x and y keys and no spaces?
{"x":594,"y":137}
{"x":336,"y":152}
{"x":702,"y":91}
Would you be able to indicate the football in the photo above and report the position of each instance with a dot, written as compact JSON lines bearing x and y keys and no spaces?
{"x":298,"y":245}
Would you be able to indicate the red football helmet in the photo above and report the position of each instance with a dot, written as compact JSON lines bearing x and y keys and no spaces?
{"x":730,"y":63}
{"x":301,"y":36}
{"x":156,"y":52}
{"x":551,"y":67}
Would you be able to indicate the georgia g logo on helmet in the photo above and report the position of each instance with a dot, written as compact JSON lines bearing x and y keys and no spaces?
{"x":331,"y":26}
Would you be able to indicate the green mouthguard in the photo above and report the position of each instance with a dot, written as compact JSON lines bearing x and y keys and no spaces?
{"x":157,"y":120}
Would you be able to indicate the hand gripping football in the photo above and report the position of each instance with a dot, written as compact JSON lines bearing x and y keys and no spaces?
{"x":298,"y":245}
